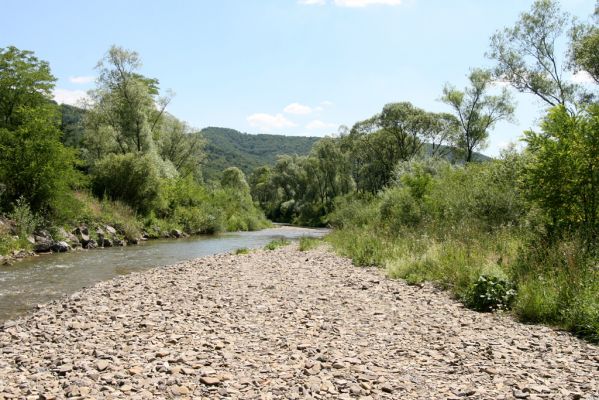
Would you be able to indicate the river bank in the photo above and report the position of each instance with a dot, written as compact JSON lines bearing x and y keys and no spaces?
{"x":282,"y":324}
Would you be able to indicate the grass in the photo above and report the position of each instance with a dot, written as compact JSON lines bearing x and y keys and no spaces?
{"x":275,"y":244}
{"x":308,"y":243}
{"x":555,"y":286}
{"x":242,"y":250}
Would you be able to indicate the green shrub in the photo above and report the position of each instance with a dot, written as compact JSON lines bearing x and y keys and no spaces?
{"x":25,"y":220}
{"x":132,"y":178}
{"x":490,"y":293}
{"x":275,"y":244}
{"x":308,"y":243}
{"x":242,"y":250}
{"x":399,"y":208}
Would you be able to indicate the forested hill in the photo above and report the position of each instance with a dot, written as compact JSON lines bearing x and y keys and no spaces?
{"x":230,"y":148}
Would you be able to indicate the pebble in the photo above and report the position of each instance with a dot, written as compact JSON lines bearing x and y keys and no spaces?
{"x":283,"y":324}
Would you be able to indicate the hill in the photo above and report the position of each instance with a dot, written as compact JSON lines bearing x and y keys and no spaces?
{"x":230,"y":148}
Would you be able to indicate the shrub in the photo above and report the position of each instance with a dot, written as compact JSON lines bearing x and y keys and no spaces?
{"x":133,"y":178}
{"x":242,"y":250}
{"x":308,"y":243}
{"x":275,"y":244}
{"x":25,"y":220}
{"x":490,"y":293}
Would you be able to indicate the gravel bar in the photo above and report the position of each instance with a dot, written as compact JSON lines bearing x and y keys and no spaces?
{"x":283,"y":324}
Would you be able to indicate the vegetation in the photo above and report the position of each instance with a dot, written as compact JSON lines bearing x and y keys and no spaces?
{"x":308,"y":243}
{"x":404,"y":190}
{"x":229,"y":148}
{"x":123,"y":148}
{"x":275,"y":244}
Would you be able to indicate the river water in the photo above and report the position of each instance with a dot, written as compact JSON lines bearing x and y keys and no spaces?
{"x":41,"y":279}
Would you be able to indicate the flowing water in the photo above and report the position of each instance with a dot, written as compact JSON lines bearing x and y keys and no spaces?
{"x":41,"y":279}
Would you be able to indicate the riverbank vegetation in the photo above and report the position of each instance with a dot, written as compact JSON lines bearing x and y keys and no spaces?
{"x":407,"y":191}
{"x":128,"y":164}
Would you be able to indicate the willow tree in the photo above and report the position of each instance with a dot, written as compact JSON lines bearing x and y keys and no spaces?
{"x":526,"y":54}
{"x":125,"y":108}
{"x":477,"y":111}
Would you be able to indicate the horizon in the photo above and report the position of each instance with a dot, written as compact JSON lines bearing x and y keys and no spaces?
{"x":293,"y":68}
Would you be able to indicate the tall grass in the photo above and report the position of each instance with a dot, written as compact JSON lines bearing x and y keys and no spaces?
{"x":469,"y":231}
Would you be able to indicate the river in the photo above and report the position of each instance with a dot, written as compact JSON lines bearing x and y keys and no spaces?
{"x":41,"y":279}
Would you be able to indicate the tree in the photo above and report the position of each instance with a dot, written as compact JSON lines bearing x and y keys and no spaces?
{"x":25,"y":81}
{"x":562,"y":176}
{"x":477,"y":111}
{"x":34,"y":164}
{"x":526,"y":54}
{"x":234,"y":178}
{"x":585,"y":49}
{"x":125,"y":104}
{"x":182,"y":146}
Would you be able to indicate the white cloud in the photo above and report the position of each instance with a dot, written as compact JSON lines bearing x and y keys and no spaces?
{"x":312,"y":2}
{"x":327,"y":103}
{"x":81,"y":79}
{"x":318,"y":124}
{"x":298,"y":109}
{"x":268,"y":122}
{"x":71,"y":97}
{"x":582,"y":77}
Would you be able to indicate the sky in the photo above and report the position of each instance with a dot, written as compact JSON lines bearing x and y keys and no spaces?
{"x":292,"y":67}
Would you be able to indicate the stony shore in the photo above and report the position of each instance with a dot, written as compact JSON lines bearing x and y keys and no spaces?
{"x":283,"y":324}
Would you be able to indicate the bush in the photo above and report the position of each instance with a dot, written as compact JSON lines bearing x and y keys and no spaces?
{"x":275,"y":244}
{"x":242,"y":250}
{"x":490,"y":293}
{"x":308,"y":243}
{"x":25,"y":220}
{"x":399,"y":208}
{"x":132,"y":178}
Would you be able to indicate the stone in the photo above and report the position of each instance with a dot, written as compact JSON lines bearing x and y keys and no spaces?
{"x":210,"y":380}
{"x":60,"y":247}
{"x":101,"y":365}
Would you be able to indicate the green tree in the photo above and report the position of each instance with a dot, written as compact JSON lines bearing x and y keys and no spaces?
{"x":526,"y":54}
{"x":234,"y":178}
{"x":25,"y":81}
{"x":125,"y":105}
{"x":477,"y":111}
{"x":584,"y":52}
{"x":181,"y":145}
{"x":34,"y":165}
{"x":562,"y":176}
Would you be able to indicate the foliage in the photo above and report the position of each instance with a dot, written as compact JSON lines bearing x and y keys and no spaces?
{"x":25,"y":220}
{"x":490,"y":293}
{"x":477,"y":111}
{"x":563,"y":174}
{"x":242,"y":250}
{"x":275,"y":244}
{"x":132,"y":178}
{"x":526,"y":54}
{"x":34,"y":164}
{"x":233,"y":178}
{"x":124,"y":110}
{"x":308,"y":243}
{"x":230,"y":148}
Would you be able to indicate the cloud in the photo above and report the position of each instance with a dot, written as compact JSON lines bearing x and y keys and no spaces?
{"x":298,"y":109}
{"x":327,"y":103}
{"x":318,"y":124}
{"x":352,"y":3}
{"x":81,"y":79}
{"x":582,"y":77}
{"x":268,"y":122}
{"x":71,"y":97}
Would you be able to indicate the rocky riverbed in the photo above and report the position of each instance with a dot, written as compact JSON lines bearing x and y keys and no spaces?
{"x":283,"y":324}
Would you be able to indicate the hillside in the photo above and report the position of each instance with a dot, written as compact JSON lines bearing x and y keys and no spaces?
{"x":231,"y":148}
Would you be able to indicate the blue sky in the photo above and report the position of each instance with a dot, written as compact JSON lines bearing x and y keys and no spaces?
{"x":294,"y":67}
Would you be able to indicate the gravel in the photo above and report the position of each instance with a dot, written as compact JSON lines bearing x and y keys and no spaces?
{"x":283,"y":324}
